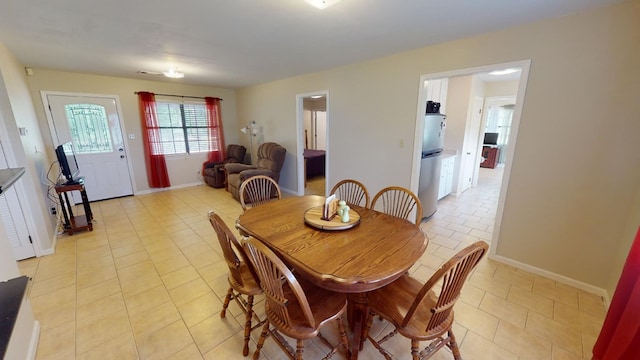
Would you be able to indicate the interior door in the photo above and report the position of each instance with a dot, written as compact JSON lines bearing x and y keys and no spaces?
{"x":13,"y":221}
{"x":470,"y":154}
{"x":92,"y":124}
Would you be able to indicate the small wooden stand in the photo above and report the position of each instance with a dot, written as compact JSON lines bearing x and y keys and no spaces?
{"x":75,"y":222}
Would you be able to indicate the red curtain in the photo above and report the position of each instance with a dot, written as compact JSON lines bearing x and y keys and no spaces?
{"x":156,"y":165}
{"x":216,"y":136}
{"x":620,"y":334}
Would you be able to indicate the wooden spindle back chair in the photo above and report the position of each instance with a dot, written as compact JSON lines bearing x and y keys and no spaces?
{"x":258,"y":190}
{"x":425,"y":312}
{"x":351,"y":191}
{"x":289,"y":309}
{"x":399,"y":202}
{"x":242,"y":277}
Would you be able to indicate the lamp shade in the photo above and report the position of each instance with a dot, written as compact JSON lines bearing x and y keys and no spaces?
{"x":250,"y":129}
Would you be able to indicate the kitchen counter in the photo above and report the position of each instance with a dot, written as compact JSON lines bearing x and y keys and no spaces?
{"x":8,"y":177}
{"x":447,"y":153}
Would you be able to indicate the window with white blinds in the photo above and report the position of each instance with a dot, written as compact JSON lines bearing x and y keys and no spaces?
{"x":183,"y":128}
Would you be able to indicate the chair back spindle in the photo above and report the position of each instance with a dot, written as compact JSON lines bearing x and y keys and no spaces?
{"x":452,"y":276}
{"x":258,"y":190}
{"x":351,"y":191}
{"x":399,"y":202}
{"x":231,"y":248}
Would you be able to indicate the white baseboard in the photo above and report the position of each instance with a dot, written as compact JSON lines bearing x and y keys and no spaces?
{"x":35,"y":339}
{"x":557,"y":277}
{"x":52,"y":249}
{"x":288,"y":191}
{"x":155,"y":190}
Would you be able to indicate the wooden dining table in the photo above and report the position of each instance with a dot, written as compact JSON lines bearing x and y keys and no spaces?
{"x":367,"y":256}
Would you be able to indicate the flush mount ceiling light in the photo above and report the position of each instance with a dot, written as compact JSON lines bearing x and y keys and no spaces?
{"x":322,"y":4}
{"x":504,"y":72}
{"x":173,"y":73}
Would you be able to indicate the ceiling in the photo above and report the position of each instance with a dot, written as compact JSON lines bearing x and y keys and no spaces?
{"x":236,"y":43}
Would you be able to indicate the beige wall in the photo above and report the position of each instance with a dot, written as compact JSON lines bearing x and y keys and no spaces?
{"x":16,"y":111}
{"x":577,"y":157}
{"x":501,"y":88}
{"x":182,"y":169}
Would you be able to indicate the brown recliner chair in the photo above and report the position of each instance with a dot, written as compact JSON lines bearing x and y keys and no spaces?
{"x":213,"y":172}
{"x":269,"y":160}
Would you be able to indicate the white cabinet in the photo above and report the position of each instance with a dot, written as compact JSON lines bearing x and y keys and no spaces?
{"x":446,"y":176}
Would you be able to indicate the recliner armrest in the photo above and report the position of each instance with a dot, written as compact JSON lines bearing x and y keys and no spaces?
{"x":244,"y":175}
{"x":234,"y":168}
{"x":210,"y":164}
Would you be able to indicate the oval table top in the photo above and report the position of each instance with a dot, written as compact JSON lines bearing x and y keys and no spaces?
{"x":363,"y":258}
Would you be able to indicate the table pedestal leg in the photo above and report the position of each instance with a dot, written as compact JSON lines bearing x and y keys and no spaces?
{"x":357,"y":314}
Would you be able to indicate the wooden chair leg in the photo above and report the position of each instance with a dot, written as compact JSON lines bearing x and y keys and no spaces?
{"x":453,"y":345}
{"x":263,"y":336}
{"x":227,"y":299}
{"x":365,"y":333}
{"x":299,"y":349}
{"x":415,"y":351}
{"x":343,"y":337}
{"x":247,"y":325}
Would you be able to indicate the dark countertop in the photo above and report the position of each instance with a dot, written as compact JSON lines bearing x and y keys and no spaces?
{"x":8,"y":177}
{"x":11,"y":295}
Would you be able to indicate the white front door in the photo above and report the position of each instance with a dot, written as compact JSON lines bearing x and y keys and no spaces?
{"x":470,"y":146}
{"x":92,"y":124}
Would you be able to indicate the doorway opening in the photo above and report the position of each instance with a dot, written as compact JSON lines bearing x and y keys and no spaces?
{"x":468,"y":134}
{"x":312,"y":143}
{"x":498,"y":116}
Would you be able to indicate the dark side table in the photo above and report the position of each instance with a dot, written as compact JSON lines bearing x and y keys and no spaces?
{"x":73,"y":222}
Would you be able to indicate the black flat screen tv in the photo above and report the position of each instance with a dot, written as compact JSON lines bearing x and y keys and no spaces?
{"x":68,"y":163}
{"x":491,"y":138}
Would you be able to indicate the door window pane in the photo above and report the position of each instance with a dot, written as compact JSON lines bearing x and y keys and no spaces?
{"x":89,"y":128}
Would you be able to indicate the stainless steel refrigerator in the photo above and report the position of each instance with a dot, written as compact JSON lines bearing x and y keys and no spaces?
{"x":432,"y":145}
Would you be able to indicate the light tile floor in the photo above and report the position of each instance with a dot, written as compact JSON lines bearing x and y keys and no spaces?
{"x":148,"y":283}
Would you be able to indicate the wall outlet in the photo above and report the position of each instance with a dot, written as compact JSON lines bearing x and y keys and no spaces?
{"x":53,"y":210}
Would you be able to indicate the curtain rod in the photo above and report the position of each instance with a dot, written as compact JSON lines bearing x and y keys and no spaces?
{"x":181,"y":96}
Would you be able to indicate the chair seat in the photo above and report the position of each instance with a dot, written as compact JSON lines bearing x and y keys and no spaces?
{"x":394,"y":301}
{"x":325,"y":306}
{"x":249,"y":284}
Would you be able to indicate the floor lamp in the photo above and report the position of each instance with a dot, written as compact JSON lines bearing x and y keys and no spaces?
{"x":252,"y":131}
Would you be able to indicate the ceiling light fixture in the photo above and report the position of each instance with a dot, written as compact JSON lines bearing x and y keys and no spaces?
{"x":321,"y":4}
{"x":173,"y":73}
{"x":504,"y":72}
